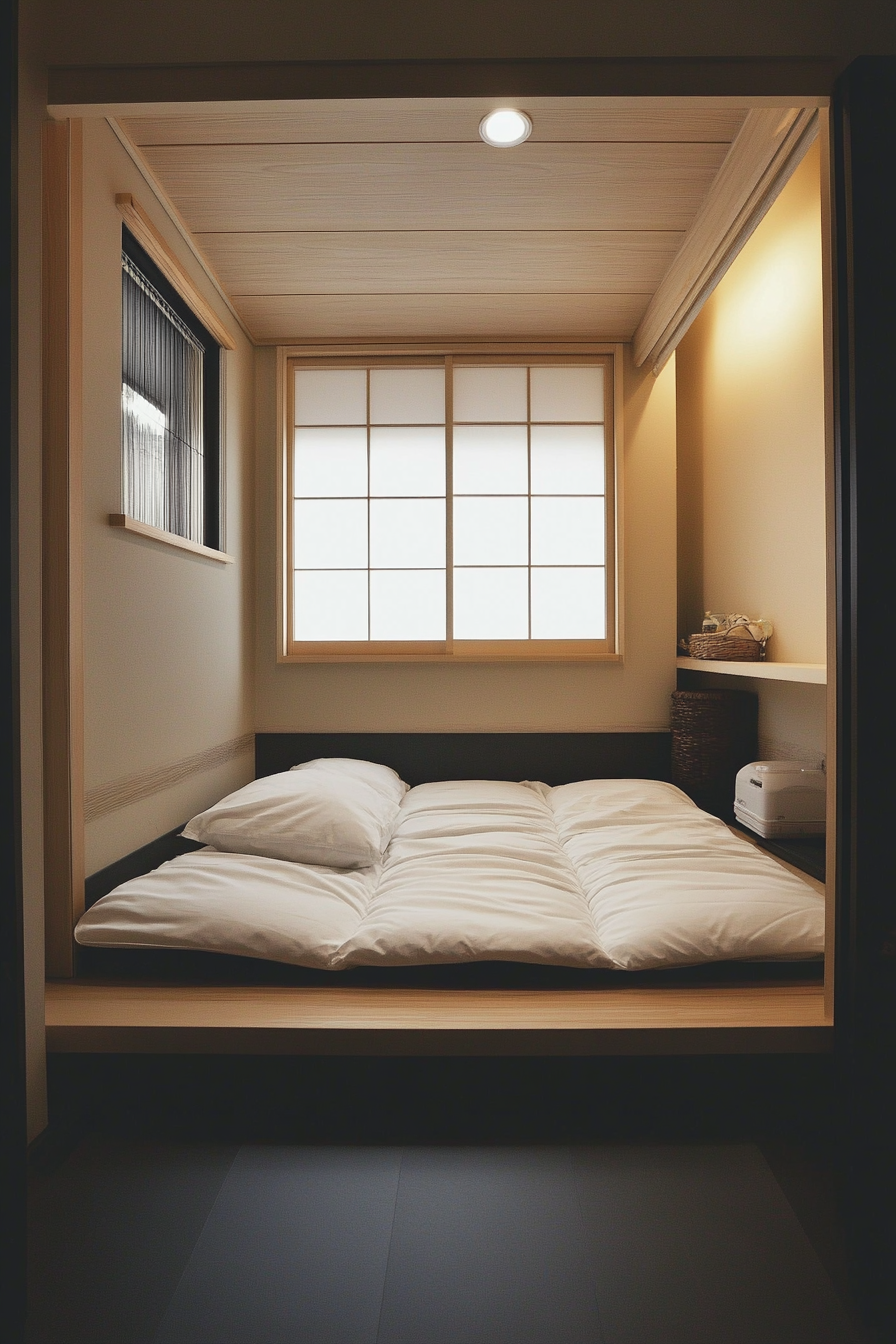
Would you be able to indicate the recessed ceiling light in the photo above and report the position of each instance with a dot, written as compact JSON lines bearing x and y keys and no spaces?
{"x":505,"y":127}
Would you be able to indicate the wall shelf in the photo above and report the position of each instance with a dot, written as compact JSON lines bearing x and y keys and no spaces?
{"x":815,"y":673}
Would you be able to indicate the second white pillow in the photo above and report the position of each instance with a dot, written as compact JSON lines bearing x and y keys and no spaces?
{"x":305,"y":816}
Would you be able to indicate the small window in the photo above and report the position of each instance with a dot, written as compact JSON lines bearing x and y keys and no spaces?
{"x":170,"y":406}
{"x":455,"y":509}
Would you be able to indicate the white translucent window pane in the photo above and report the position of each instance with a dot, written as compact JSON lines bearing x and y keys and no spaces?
{"x":490,"y":460}
{"x":331,"y":397}
{"x":407,"y":604}
{"x":491,"y":604}
{"x":407,"y":461}
{"x":491,"y":531}
{"x":330,"y":605}
{"x":568,"y":532}
{"x":490,"y":393}
{"x":330,"y":534}
{"x":407,"y":533}
{"x":567,"y":393}
{"x":330,"y":462}
{"x":407,"y":396}
{"x":567,"y":459}
{"x":569,"y":604}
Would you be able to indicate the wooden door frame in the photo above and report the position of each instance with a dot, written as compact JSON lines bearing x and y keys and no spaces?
{"x":62,"y":579}
{"x":862,"y":746}
{"x":863,"y":125}
{"x":13,"y":1082}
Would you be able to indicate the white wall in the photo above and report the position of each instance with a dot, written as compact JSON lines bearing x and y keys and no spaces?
{"x":496,"y":697}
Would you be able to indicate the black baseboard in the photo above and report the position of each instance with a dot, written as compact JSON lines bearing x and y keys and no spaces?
{"x":139,"y":861}
{"x":176,"y":966}
{"x":422,"y":758}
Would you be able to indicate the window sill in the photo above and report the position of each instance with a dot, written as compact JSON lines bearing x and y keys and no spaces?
{"x":546,"y":651}
{"x":168,"y":538}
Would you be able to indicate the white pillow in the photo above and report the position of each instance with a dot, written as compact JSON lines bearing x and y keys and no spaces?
{"x":310,"y":816}
{"x":380,"y":777}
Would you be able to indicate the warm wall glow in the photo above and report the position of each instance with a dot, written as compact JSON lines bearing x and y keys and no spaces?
{"x":772,"y":300}
{"x":751,"y":433}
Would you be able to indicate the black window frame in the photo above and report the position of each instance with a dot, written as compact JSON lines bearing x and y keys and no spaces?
{"x":212,"y":366}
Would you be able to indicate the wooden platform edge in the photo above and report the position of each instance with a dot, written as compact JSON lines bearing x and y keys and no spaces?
{"x":170,"y":1019}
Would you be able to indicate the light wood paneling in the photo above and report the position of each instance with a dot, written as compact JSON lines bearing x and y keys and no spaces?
{"x":105,"y":798}
{"x":402,"y":261}
{"x":330,"y":187}
{"x":270,"y":1019}
{"x":768,"y":148}
{"x":62,"y":651}
{"x":282,"y":318}
{"x":437,"y":120}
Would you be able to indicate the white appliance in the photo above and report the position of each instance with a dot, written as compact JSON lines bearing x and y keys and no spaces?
{"x":781,"y":798}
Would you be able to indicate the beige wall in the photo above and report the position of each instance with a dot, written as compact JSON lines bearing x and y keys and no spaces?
{"x":168,"y":659}
{"x":439,"y":697}
{"x":751,"y":451}
{"x":751,"y":430}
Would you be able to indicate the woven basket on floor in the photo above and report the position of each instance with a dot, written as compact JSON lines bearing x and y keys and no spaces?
{"x":714,"y":733}
{"x":725,"y":646}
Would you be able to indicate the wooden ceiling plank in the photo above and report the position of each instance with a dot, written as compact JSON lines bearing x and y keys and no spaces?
{"x":403,"y":261}
{"x":371,"y":124}
{"x":255,"y":188}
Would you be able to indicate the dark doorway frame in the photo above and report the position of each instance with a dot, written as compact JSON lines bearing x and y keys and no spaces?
{"x":864,"y":124}
{"x":13,"y":1125}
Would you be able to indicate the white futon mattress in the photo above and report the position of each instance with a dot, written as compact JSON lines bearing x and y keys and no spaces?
{"x":622,"y":873}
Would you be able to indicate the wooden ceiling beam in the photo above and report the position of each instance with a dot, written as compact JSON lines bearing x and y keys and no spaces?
{"x":760,"y":162}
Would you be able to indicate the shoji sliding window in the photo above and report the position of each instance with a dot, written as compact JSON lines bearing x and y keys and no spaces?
{"x":457,"y":507}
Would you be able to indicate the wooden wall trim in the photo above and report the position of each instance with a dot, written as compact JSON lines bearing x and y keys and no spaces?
{"x":149,"y":238}
{"x":762,"y":158}
{"x":132,"y":788}
{"x":62,"y":595}
{"x":110,"y":90}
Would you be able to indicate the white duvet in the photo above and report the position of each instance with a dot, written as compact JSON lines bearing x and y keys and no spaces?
{"x":604,"y":873}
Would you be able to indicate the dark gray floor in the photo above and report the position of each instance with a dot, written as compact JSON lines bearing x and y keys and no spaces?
{"x":138,"y":1242}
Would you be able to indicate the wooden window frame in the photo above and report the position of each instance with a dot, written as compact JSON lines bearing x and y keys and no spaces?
{"x":448,"y":356}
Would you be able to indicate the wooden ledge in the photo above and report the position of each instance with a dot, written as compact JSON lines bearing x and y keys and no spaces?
{"x":169,"y":538}
{"x":98,"y":1017}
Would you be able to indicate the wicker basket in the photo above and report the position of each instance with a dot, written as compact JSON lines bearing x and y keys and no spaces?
{"x":714,"y":733}
{"x":728,"y":647}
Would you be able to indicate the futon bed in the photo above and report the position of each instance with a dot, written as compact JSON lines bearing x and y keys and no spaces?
{"x":337,"y":864}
